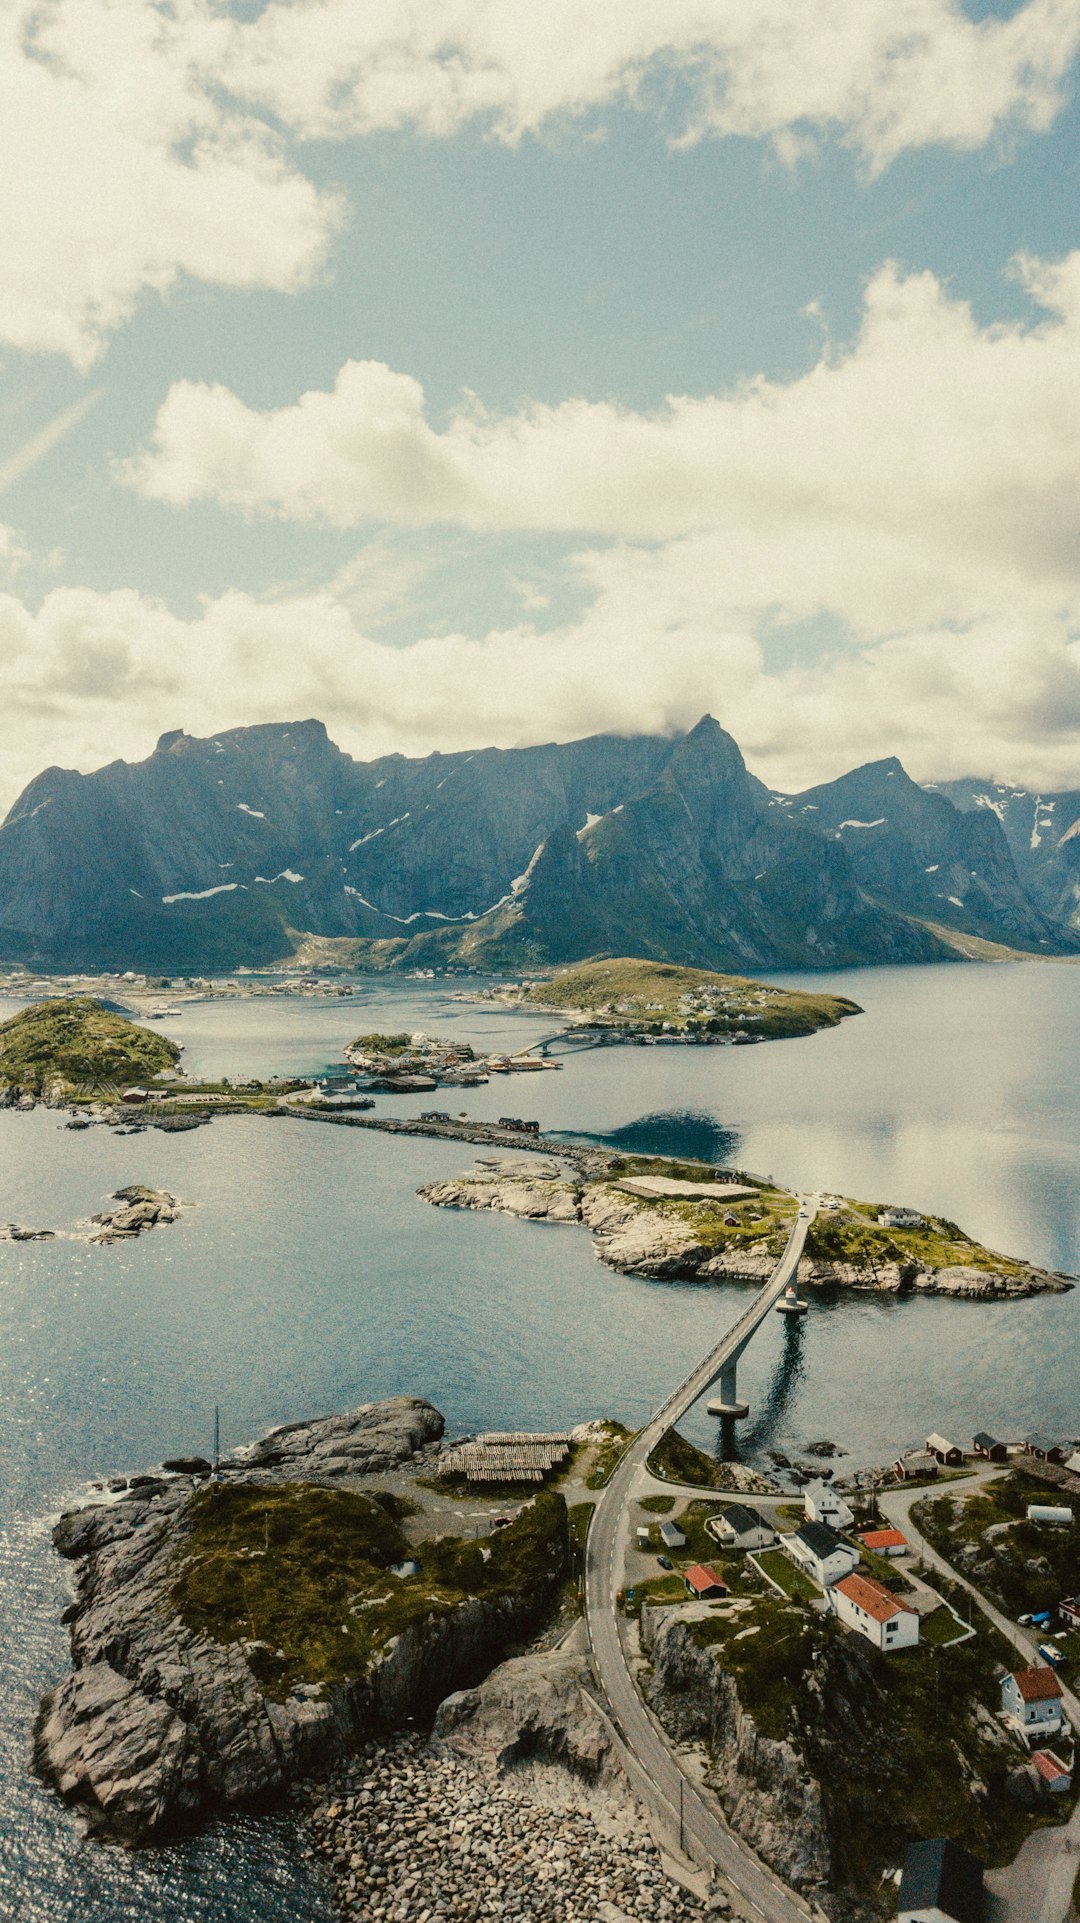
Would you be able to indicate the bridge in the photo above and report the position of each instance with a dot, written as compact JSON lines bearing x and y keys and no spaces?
{"x":662,"y":1780}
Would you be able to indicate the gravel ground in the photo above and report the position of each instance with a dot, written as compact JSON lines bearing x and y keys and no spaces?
{"x":410,"y":1833}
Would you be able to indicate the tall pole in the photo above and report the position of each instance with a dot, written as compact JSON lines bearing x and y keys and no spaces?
{"x":682,"y":1847}
{"x":217,"y":1437}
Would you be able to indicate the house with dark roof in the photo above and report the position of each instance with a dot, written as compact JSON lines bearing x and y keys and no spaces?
{"x":915,"y":1466}
{"x":1045,"y":1448}
{"x":989,"y":1447}
{"x":742,"y":1527}
{"x":1031,"y":1699}
{"x":941,"y":1883}
{"x":823,"y":1554}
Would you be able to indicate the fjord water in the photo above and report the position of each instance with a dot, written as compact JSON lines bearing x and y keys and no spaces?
{"x":307,"y":1276}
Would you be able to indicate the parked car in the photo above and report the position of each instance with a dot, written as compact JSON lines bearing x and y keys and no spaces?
{"x":665,"y":1562}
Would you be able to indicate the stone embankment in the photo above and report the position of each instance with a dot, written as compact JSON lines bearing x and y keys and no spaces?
{"x":410,"y":1833}
{"x":158,"y":1723}
{"x":517,"y":1807}
{"x":663,"y":1243}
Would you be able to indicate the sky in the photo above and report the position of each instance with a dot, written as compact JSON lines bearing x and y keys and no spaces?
{"x":464,"y":372}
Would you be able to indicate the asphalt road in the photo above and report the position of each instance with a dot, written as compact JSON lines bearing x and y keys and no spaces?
{"x":678,"y":1800}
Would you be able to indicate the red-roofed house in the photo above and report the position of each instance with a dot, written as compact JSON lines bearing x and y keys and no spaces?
{"x":1052,"y":1774}
{"x":704,"y":1582}
{"x":874,"y":1612}
{"x":1031,"y":1699}
{"x":883,"y":1542}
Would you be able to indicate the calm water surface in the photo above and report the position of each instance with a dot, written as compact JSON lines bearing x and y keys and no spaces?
{"x":307,"y":1276}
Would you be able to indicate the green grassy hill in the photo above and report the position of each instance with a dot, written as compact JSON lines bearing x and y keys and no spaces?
{"x":643,"y":994}
{"x":79,"y":1044}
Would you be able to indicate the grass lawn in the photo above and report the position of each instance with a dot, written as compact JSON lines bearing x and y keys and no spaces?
{"x":610,"y":1448}
{"x":941,"y":1628}
{"x":793,"y":1581}
{"x":657,"y":1505}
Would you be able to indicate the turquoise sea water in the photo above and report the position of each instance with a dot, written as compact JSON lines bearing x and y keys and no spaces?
{"x":307,"y":1276}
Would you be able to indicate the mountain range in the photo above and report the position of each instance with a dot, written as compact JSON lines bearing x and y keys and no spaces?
{"x":226,"y":851}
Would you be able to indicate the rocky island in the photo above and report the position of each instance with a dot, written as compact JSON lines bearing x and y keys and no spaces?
{"x":55,"y":1050}
{"x":633,"y":1000}
{"x":676,"y":1221}
{"x":232,"y":1633}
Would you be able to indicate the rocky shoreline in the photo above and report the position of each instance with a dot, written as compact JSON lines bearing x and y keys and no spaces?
{"x":138,"y":1208}
{"x":160,"y":1724}
{"x":663,"y":1244}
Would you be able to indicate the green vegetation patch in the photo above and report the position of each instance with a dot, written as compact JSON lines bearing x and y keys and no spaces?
{"x":609,"y":1449}
{"x":657,"y":1505}
{"x":1023,"y":1567}
{"x":853,"y":1234}
{"x":81,"y":1044}
{"x":306,"y":1575}
{"x":680,"y":1461}
{"x":769,"y":1649}
{"x":940,"y":1628}
{"x":792,"y":1580}
{"x":379,"y":1044}
{"x":634,"y":994}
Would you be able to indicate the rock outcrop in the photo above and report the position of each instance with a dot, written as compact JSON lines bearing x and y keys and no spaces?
{"x":139,"y":1208}
{"x":159,"y":1723}
{"x":767,"y":1791}
{"x":663,"y":1244}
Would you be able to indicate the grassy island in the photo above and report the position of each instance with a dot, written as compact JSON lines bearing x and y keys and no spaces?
{"x":658,"y":997}
{"x":79,"y":1044}
{"x":304,"y":1575}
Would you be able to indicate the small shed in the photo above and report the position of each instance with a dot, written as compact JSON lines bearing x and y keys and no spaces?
{"x":1045,"y":1448}
{"x":917,"y":1464}
{"x":702,"y":1582}
{"x":1055,"y":1513}
{"x":1073,"y":1463}
{"x":672,"y":1536}
{"x":941,"y":1883}
{"x":135,"y":1096}
{"x":944,"y":1452}
{"x":1053,"y":1776}
{"x":989,"y":1447}
{"x":883,"y":1542}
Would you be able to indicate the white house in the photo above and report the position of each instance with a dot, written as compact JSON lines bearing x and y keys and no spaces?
{"x":872,"y":1611}
{"x":900,"y":1219}
{"x":821,"y":1552}
{"x":1031,"y":1699}
{"x":742,"y":1527}
{"x":822,"y":1504}
{"x":941,"y":1883}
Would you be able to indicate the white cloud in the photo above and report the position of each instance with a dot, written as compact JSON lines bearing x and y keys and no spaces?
{"x":886,"y":75}
{"x":124,"y":167}
{"x":930,"y":472}
{"x":145,"y":139}
{"x":91,"y":675}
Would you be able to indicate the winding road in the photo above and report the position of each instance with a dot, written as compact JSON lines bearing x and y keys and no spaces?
{"x":677,"y":1799}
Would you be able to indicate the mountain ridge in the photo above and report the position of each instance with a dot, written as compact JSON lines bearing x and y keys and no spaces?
{"x":223,"y":851}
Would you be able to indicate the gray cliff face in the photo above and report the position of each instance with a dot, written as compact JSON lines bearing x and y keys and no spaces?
{"x":208,"y":853}
{"x":1042,"y":829}
{"x":768,"y":1794}
{"x":158,"y":1724}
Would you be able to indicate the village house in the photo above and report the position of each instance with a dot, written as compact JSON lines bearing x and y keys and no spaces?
{"x":900,"y":1219}
{"x":989,"y":1447}
{"x":742,"y":1527}
{"x":941,"y":1883}
{"x":883,"y":1542}
{"x":702,"y":1581}
{"x":1069,"y":1610}
{"x":823,"y":1554}
{"x":915,"y":1466}
{"x":1053,"y":1776}
{"x":872,"y":1611}
{"x":945,"y":1453}
{"x":822,"y":1504}
{"x":1045,"y":1448}
{"x":1031,"y":1699}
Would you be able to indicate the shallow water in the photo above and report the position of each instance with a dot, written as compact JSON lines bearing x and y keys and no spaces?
{"x":307,"y":1276}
